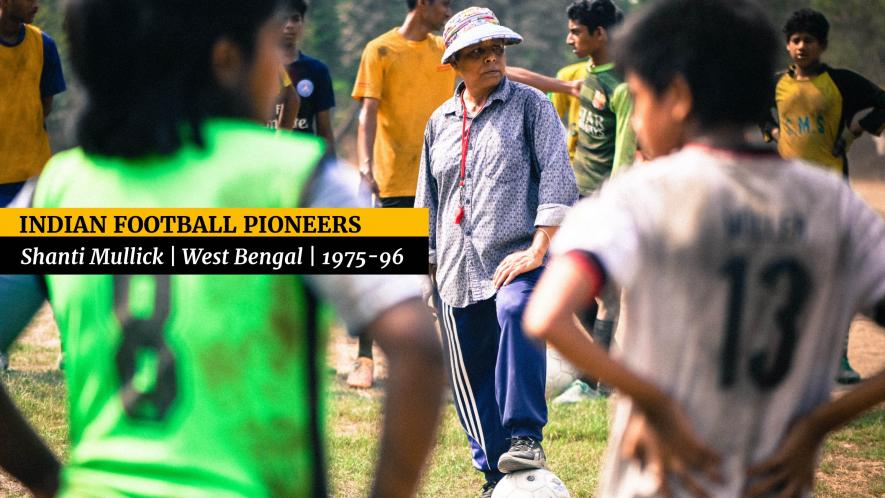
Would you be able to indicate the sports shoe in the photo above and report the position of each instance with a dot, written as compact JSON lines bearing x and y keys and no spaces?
{"x":847,"y":375}
{"x":576,"y":392}
{"x":363,"y":374}
{"x":524,"y":453}
{"x":487,"y":489}
{"x":4,"y":362}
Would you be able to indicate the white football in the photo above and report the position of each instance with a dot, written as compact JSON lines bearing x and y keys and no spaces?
{"x":560,"y":373}
{"x":537,"y":483}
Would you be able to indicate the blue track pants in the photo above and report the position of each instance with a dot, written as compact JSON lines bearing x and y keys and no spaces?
{"x":497,"y":373}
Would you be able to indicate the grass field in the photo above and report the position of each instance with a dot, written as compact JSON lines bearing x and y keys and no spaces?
{"x":853,"y":463}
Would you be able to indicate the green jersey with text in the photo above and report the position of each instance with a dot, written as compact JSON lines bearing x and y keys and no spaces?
{"x":606,"y":141}
{"x":190,"y":385}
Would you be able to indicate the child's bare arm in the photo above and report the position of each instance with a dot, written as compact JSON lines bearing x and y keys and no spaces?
{"x":791,"y":469}
{"x":566,"y":287}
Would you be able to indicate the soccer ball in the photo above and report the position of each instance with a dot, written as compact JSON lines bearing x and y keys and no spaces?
{"x":536,"y":483}
{"x":560,"y":373}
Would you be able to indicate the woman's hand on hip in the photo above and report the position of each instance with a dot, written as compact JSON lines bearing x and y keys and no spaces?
{"x":516,"y":264}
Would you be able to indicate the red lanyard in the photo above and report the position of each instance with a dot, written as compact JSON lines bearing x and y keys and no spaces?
{"x":465,"y":144}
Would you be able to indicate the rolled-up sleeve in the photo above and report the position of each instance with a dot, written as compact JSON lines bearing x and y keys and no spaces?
{"x":517,"y":177}
{"x":558,"y":188}
{"x":426,"y":193}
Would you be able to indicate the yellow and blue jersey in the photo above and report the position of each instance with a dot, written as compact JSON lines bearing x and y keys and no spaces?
{"x":32,"y":72}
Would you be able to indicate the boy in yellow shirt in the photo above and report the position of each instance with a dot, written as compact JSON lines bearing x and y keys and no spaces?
{"x":815,"y":106}
{"x":400,"y":83}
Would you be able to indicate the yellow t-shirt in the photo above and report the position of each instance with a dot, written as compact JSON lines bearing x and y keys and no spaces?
{"x":24,"y":144}
{"x":809,"y":112}
{"x":568,"y":106}
{"x":410,"y":83}
{"x":285,"y":80}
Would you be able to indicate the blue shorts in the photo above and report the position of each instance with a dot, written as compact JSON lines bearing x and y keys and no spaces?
{"x":8,"y":191}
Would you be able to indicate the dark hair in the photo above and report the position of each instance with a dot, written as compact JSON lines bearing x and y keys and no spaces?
{"x":725,"y":49}
{"x":411,"y":4}
{"x":595,"y":13}
{"x":299,"y":6}
{"x":146,"y":68}
{"x":808,"y":21}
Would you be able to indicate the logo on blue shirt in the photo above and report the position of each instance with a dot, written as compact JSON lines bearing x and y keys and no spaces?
{"x":305,"y":88}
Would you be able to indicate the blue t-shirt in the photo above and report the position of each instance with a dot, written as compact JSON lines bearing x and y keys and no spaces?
{"x":314,"y":85}
{"x":52,"y":81}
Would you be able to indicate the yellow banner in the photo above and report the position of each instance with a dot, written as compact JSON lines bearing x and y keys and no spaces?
{"x":213,"y":222}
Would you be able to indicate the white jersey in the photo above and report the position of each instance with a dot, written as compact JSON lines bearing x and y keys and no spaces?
{"x":741,"y":274}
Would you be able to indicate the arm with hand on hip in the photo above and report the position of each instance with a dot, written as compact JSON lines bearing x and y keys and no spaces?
{"x":526,"y":260}
{"x":568,"y":285}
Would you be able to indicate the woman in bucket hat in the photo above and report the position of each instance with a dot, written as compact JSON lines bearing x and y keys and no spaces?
{"x":495,"y":176}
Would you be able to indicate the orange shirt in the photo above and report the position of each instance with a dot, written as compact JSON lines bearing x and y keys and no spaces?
{"x":410,"y":83}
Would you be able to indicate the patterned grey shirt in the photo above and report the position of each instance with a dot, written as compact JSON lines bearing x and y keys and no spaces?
{"x":517,"y":177}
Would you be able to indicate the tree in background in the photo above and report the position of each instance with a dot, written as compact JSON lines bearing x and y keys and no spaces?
{"x":339,"y":29}
{"x":324,"y":30}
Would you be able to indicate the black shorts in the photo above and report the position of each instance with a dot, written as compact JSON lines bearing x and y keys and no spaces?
{"x":397,"y":202}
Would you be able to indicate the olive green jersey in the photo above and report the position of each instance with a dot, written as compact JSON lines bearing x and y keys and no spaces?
{"x":189,"y":385}
{"x":606,"y":140}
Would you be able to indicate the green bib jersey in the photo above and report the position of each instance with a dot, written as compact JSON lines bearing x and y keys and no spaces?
{"x":190,"y":385}
{"x":813,"y":113}
{"x":606,"y":141}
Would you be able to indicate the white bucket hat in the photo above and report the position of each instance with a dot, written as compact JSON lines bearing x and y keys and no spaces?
{"x":471,"y":26}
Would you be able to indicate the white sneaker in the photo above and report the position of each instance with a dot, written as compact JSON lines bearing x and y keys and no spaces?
{"x":575,"y":393}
